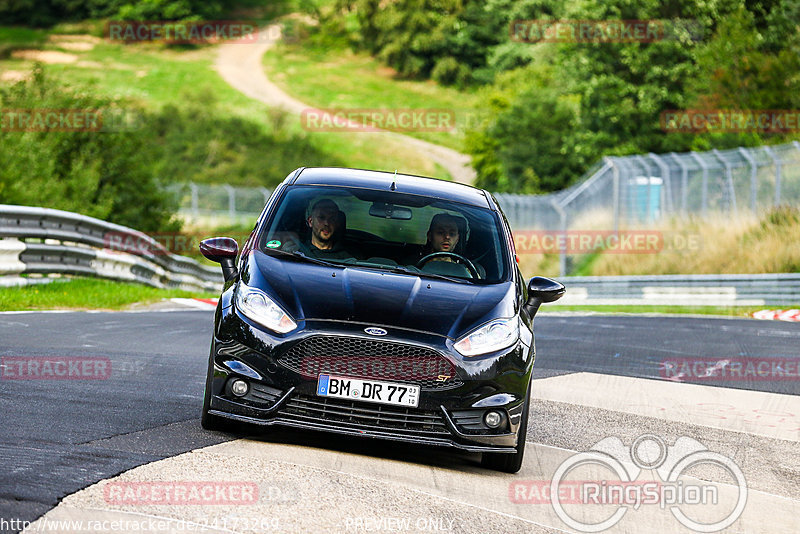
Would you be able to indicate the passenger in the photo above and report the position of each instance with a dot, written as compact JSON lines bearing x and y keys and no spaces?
{"x":327,"y":229}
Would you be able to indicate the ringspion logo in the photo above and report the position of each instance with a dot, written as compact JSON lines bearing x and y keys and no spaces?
{"x":615,"y":488}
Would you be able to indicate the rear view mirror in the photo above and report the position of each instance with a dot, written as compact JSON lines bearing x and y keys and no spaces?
{"x":385,"y":210}
{"x":222,"y":250}
{"x":541,"y":290}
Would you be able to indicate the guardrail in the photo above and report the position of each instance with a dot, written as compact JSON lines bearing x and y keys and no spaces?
{"x":48,"y":241}
{"x":684,"y":290}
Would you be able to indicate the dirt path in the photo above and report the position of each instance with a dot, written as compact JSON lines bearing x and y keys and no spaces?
{"x":240,"y":66}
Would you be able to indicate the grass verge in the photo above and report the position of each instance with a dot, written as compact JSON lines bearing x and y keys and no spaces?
{"x":86,"y":294}
{"x":339,"y":78}
{"x":14,"y":37}
{"x":716,"y":244}
{"x":155,"y":76}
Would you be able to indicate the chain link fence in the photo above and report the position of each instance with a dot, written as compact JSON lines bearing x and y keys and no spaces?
{"x":633,"y":192}
{"x":617,"y":193}
{"x":220,"y":204}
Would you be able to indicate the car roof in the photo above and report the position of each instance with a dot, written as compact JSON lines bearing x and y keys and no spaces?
{"x":403,"y":183}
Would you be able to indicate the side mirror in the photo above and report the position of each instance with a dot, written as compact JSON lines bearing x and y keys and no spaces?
{"x":222,"y":250}
{"x":541,"y":290}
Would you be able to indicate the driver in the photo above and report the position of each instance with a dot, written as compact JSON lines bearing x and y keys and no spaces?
{"x":327,"y":227}
{"x":443,"y":236}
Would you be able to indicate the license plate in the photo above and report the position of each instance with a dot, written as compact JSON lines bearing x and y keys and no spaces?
{"x":368,"y":390}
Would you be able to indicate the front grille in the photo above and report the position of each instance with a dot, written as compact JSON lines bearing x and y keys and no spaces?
{"x":366,"y":416}
{"x":367,"y":358}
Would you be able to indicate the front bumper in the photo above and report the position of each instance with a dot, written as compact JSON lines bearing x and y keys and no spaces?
{"x":449,"y":413}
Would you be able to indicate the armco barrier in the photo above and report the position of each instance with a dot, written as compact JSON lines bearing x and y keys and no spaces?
{"x":680,"y":289}
{"x":47,"y":241}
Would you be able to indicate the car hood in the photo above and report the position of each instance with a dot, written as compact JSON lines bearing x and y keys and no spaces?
{"x":310,"y":291}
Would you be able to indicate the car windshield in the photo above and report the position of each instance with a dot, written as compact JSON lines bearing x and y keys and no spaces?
{"x":403,"y":233}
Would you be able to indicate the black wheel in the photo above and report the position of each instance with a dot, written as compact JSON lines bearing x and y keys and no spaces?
{"x":207,"y":420}
{"x":505,"y":462}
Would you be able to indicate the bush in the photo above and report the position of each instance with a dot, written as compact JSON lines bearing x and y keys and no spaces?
{"x":43,"y":13}
{"x":105,"y":174}
{"x":120,"y":174}
{"x":448,"y":71}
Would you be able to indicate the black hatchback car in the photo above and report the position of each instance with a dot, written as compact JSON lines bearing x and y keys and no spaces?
{"x":379,"y":305}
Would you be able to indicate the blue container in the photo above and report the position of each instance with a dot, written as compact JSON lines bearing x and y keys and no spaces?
{"x":644,"y":200}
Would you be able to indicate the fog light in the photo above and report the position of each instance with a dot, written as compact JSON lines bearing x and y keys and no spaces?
{"x":493,"y":419}
{"x":239,"y":388}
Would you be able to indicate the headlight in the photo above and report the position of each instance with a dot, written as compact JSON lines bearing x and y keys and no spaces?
{"x":491,"y":337}
{"x":257,"y":306}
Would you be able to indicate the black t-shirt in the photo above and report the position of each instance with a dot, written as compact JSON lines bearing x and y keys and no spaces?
{"x":337,"y":252}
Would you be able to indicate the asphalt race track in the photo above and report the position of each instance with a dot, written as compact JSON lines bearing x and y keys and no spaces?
{"x":596,"y":376}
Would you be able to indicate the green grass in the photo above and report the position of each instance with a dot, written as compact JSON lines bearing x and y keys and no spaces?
{"x":85,"y":294}
{"x":154,"y":76}
{"x":14,"y":37}
{"x":731,"y":311}
{"x":339,"y":78}
{"x":21,"y":35}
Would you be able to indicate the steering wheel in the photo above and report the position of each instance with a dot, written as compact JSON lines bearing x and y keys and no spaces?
{"x":468,"y":264}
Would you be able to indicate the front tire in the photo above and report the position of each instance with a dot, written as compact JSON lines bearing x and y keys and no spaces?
{"x":505,"y":462}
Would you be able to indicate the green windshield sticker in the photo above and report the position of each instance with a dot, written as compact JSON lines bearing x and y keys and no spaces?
{"x":274,"y":244}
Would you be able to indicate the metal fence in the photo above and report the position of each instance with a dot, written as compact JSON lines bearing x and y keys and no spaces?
{"x":617,"y":193}
{"x":641,"y":190}
{"x":225,"y":202}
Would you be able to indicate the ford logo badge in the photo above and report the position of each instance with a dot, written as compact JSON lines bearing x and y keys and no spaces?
{"x":375,"y":331}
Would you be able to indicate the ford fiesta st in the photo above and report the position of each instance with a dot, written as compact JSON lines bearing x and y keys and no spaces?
{"x":379,"y":305}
